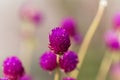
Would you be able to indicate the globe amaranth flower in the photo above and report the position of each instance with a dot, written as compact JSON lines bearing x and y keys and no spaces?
{"x":59,"y":40}
{"x":48,"y":61}
{"x":30,"y":13}
{"x":112,"y":40}
{"x":68,"y":61}
{"x":12,"y":68}
{"x":69,"y":24}
{"x":116,"y":20}
{"x":68,"y":78}
{"x":4,"y":78}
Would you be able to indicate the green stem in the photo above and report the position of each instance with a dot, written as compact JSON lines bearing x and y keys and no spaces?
{"x":88,"y":37}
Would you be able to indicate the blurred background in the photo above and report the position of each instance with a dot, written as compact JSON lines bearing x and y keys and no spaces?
{"x":54,"y":11}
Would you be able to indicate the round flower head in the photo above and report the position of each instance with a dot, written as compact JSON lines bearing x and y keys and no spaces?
{"x":12,"y":68}
{"x":30,"y":13}
{"x":116,"y":20}
{"x":48,"y":61}
{"x":68,"y":61}
{"x":4,"y":78}
{"x":69,"y":24}
{"x":68,"y":78}
{"x":26,"y":77}
{"x":115,"y":71}
{"x":112,"y":40}
{"x":59,"y":40}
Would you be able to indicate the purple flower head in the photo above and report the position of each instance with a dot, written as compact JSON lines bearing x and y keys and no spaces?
{"x":26,"y":77}
{"x":30,"y":13}
{"x":48,"y":61}
{"x":59,"y":40}
{"x":37,"y":17}
{"x":112,"y":40}
{"x":69,"y":24}
{"x":115,"y":68}
{"x":68,"y":78}
{"x":12,"y":67}
{"x":68,"y":61}
{"x":116,"y":20}
{"x":4,"y":78}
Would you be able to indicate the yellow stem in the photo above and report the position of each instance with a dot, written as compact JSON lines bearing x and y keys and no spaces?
{"x":89,"y":35}
{"x":116,"y":58}
{"x":57,"y":74}
{"x":105,"y":66}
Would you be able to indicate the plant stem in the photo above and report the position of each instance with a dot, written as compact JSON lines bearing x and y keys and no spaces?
{"x":105,"y":66}
{"x":57,"y":74}
{"x":89,"y":35}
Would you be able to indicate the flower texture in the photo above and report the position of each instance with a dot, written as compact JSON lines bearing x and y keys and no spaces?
{"x":112,"y":40}
{"x":59,"y":40}
{"x":12,"y":68}
{"x":68,"y":78}
{"x":69,"y":24}
{"x":48,"y":61}
{"x":116,"y":20}
{"x":68,"y":61}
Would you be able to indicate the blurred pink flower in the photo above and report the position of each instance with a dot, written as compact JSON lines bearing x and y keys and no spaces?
{"x":70,"y":25}
{"x":112,"y":40}
{"x":116,"y":20}
{"x":31,"y":13}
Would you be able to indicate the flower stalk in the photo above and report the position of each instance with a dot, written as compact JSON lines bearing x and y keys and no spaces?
{"x":57,"y":73}
{"x":89,"y":35}
{"x":105,"y":65}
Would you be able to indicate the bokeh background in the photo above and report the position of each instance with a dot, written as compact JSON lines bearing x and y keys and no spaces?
{"x":54,"y":11}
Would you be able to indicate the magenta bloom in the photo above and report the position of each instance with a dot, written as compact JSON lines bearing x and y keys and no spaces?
{"x":4,"y":78}
{"x":30,"y":13}
{"x":59,"y":40}
{"x":69,"y":24}
{"x":48,"y":61}
{"x":112,"y":40}
{"x":68,"y":61}
{"x":68,"y":78}
{"x":116,"y":20}
{"x":12,"y":68}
